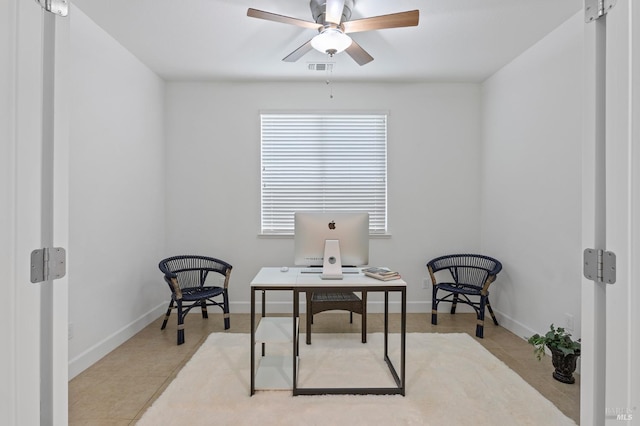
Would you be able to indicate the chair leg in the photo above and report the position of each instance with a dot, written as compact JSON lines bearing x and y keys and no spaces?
{"x":203,"y":307}
{"x":480,"y":323}
{"x":454,"y":304}
{"x":350,"y":317}
{"x":434,"y":307}
{"x":166,"y":316}
{"x":495,"y":320}
{"x":180,"y":323}
{"x":225,"y":309}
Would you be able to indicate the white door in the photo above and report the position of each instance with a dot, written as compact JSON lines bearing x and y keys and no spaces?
{"x":623,"y":211}
{"x":610,"y":374}
{"x":33,"y":214}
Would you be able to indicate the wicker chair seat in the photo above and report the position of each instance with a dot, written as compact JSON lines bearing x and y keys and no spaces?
{"x":198,"y":293}
{"x":331,"y":297}
{"x":460,"y":288}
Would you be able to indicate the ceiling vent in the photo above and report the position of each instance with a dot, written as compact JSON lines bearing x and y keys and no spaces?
{"x":322,"y":66}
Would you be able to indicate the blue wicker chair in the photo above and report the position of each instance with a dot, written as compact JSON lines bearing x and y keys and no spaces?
{"x":470,"y":276}
{"x":187,"y":279}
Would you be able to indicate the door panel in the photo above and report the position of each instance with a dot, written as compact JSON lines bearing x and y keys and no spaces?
{"x":25,"y":222}
{"x":610,"y":379}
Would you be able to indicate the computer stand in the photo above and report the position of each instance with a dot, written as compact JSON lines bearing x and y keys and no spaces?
{"x":332,"y":263}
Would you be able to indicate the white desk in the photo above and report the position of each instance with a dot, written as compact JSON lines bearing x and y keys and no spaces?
{"x":272,"y":279}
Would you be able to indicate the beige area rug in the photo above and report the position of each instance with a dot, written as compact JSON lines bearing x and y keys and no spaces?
{"x":451,"y":380}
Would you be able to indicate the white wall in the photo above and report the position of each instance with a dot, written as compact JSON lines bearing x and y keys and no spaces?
{"x":116,"y":194}
{"x":213,"y":176}
{"x":531,"y":203}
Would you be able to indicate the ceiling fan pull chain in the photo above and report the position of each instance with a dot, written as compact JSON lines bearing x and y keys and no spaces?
{"x":329,"y":75}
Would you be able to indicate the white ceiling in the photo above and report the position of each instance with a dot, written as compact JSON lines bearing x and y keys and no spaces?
{"x":456,"y":40}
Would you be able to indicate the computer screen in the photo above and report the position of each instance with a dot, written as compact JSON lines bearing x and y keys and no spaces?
{"x":313,"y":229}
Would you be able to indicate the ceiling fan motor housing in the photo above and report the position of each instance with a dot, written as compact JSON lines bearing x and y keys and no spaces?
{"x":318,"y":8}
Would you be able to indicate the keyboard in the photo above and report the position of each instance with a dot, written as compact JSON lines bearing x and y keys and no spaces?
{"x":318,"y":270}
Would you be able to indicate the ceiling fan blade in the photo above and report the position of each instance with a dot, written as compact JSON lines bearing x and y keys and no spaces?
{"x":358,"y":54}
{"x":299,"y":52}
{"x":260,"y":14}
{"x":333,"y":11}
{"x":394,"y":20}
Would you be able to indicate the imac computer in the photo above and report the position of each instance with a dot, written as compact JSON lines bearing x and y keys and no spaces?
{"x":331,"y":240}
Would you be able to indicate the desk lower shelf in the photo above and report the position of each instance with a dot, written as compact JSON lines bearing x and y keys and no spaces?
{"x":274,"y":372}
{"x":276,"y":330}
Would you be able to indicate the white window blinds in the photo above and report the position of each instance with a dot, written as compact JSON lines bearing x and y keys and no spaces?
{"x":322,"y":162}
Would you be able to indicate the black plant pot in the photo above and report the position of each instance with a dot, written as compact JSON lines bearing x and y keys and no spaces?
{"x":565,"y":365}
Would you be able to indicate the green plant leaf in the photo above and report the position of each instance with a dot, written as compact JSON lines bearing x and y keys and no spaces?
{"x":556,"y":338}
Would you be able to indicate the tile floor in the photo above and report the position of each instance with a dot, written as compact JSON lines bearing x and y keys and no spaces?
{"x":119,"y":388}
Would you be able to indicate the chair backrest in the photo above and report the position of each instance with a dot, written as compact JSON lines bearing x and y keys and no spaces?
{"x":469,"y":269}
{"x":191,"y":271}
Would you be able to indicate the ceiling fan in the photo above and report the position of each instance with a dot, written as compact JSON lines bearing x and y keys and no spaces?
{"x":331,"y":20}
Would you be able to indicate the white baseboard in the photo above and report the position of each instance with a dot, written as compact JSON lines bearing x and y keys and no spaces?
{"x":512,"y":325}
{"x":524,"y":332}
{"x":92,"y":355}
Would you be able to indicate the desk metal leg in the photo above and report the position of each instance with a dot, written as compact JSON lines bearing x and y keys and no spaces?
{"x":253,"y":343}
{"x":264,"y":314}
{"x":403,"y":340}
{"x":386,"y":323}
{"x":296,"y":307}
{"x":364,"y":316}
{"x":403,"y":327}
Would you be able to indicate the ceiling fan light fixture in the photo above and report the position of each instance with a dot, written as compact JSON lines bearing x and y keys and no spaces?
{"x":331,"y":41}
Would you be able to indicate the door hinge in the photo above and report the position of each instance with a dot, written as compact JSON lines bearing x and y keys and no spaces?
{"x":600,"y":266}
{"x":48,"y":264}
{"x":596,"y":9}
{"x":59,"y":7}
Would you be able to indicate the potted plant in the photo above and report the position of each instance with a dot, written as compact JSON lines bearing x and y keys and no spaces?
{"x":564,"y":352}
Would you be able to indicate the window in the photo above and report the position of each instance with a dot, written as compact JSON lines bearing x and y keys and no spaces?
{"x":321,"y":162}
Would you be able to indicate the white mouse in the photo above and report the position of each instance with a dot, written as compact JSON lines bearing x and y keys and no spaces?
{"x":284,"y":269}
